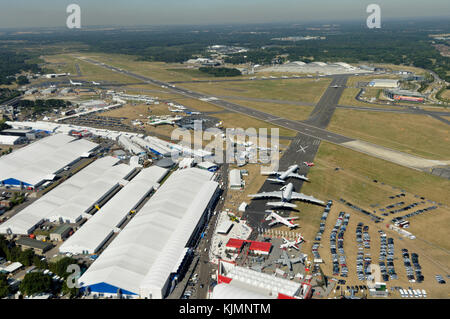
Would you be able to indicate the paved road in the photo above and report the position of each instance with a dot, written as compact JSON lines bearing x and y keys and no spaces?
{"x":320,"y":116}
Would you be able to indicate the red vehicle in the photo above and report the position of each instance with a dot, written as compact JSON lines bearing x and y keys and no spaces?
{"x":308,"y":164}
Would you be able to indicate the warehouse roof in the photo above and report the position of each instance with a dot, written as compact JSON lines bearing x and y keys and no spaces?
{"x":228,"y":291}
{"x":9,"y":139}
{"x":249,"y":281}
{"x":98,"y":228}
{"x":33,"y":243}
{"x":145,"y":252}
{"x":72,"y":198}
{"x":61,"y":229}
{"x":39,"y":161}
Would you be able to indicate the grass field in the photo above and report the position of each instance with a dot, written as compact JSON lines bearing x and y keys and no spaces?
{"x":446,"y":94}
{"x":90,"y":72}
{"x":414,"y":134}
{"x":157,"y":70}
{"x":354,"y":182}
{"x":304,"y":90}
{"x":292,"y":112}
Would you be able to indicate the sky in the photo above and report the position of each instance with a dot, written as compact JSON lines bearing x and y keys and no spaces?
{"x":52,"y":13}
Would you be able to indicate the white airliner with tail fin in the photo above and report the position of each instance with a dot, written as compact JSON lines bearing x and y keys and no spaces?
{"x":278,"y":219}
{"x":286,"y":194}
{"x":282,"y":175}
{"x":75,"y":83}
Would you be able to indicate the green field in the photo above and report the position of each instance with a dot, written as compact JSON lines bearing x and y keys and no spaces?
{"x":357,"y":171}
{"x":292,"y":112}
{"x":304,"y":90}
{"x":410,"y":133}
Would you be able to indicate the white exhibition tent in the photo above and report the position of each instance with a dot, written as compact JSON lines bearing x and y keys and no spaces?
{"x":148,"y":250}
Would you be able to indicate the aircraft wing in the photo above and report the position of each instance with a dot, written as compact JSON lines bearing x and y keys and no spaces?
{"x":296,"y":260}
{"x":295,"y":175}
{"x":312,"y":199}
{"x":277,"y":194}
{"x":273,"y":222}
{"x":281,"y":261}
{"x":268,"y":172}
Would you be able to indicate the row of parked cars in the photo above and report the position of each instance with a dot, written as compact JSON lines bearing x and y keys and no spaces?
{"x":420,"y":211}
{"x":323,"y":219}
{"x":337,"y":237}
{"x":410,"y":293}
{"x":390,"y":259}
{"x":372,"y":216}
{"x":408,"y":266}
{"x":395,"y":211}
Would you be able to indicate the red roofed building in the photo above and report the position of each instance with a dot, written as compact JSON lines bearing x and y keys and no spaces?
{"x":234,"y":244}
{"x":259,"y":247}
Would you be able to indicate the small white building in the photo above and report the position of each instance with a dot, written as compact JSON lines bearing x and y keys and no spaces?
{"x":235,"y":179}
{"x":242,"y":207}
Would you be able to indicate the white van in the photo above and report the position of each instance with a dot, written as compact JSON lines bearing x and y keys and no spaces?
{"x":424,"y":293}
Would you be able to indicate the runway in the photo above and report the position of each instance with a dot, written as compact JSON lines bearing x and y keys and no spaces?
{"x":302,"y":149}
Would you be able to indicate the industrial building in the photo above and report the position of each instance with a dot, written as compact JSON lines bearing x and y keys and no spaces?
{"x":384,"y":83}
{"x":73,"y":199}
{"x":39,"y":247}
{"x":128,"y":145}
{"x":41,"y":161}
{"x":149,"y":143}
{"x":236,"y":282}
{"x":314,"y":68}
{"x":405,"y":95}
{"x":12,"y":140}
{"x":153,"y":250}
{"x":61,"y":232}
{"x":100,"y":227}
{"x":27,"y":133}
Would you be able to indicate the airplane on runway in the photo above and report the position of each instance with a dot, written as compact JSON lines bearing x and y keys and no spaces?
{"x":95,"y":83}
{"x":309,"y":164}
{"x":286,"y":194}
{"x":303,"y":149}
{"x":75,"y":83}
{"x":292,"y":244}
{"x":170,"y":121}
{"x":286,"y":261}
{"x":278,"y":219}
{"x":282,"y":175}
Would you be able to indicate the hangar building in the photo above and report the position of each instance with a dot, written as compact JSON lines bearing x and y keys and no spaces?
{"x":36,"y":163}
{"x":152,"y":252}
{"x":70,"y":201}
{"x":100,"y":227}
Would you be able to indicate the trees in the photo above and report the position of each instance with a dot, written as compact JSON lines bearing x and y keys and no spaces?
{"x":4,"y":287}
{"x":36,"y":282}
{"x":220,"y":71}
{"x":22,"y":80}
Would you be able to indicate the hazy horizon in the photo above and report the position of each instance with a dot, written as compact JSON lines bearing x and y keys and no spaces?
{"x":52,"y":13}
